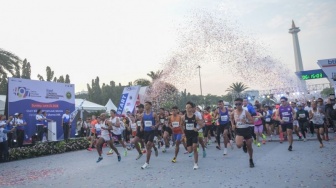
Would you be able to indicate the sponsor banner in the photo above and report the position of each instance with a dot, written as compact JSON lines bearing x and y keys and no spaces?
{"x":329,"y":68}
{"x":27,"y":96}
{"x":128,"y":99}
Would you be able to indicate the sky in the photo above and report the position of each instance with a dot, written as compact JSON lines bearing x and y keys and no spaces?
{"x":124,"y":40}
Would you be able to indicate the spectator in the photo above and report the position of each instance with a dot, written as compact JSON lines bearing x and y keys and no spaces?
{"x":4,"y":154}
{"x":66,"y":124}
{"x":20,"y":129}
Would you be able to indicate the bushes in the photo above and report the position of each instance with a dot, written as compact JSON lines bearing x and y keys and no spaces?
{"x":48,"y":148}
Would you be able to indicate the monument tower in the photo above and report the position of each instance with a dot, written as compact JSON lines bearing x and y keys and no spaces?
{"x":297,"y":52}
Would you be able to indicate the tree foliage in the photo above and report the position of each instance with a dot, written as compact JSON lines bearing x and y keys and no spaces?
{"x":237,"y":88}
{"x":9,"y":63}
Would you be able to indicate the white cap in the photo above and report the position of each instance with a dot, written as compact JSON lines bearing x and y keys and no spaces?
{"x":16,"y":114}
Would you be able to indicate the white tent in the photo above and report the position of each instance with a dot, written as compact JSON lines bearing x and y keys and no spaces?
{"x":2,"y":103}
{"x":88,"y":106}
{"x":110,"y":106}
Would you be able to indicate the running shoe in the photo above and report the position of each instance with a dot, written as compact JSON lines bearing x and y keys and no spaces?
{"x":146,"y":165}
{"x":225,"y":151}
{"x":195,"y":166}
{"x":255,"y":142}
{"x":264,"y":136}
{"x":174,"y":160}
{"x":139,"y":156}
{"x":218,"y":147}
{"x":321,"y":145}
{"x":110,"y":152}
{"x":191,"y":154}
{"x":156,"y":152}
{"x":119,"y":158}
{"x":258,"y":144}
{"x":99,"y":159}
{"x":290,"y":148}
{"x":204,"y":153}
{"x":251,"y":163}
{"x":89,"y":149}
{"x":231,"y":144}
{"x":304,"y":139}
{"x":164,"y":150}
{"x":244,"y":147}
{"x":144,"y":151}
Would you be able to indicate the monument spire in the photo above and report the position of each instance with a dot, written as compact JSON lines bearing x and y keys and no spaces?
{"x":297,"y":52}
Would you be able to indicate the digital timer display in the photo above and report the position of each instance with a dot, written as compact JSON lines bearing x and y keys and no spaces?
{"x":311,"y":74}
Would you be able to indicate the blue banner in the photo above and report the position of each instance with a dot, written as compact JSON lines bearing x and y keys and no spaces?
{"x":128,"y":99}
{"x":27,"y":96}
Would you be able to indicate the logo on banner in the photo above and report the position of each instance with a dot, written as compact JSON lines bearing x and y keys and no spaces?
{"x":21,"y":92}
{"x":50,"y":94}
{"x":24,"y":92}
{"x":68,"y":95}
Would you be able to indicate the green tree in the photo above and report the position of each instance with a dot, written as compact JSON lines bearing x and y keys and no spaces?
{"x":26,"y":70}
{"x":326,"y":91}
{"x":141,"y":82}
{"x":67,"y":79}
{"x":9,"y":62}
{"x":61,"y":79}
{"x":3,"y":85}
{"x":237,"y":88}
{"x":50,"y":75}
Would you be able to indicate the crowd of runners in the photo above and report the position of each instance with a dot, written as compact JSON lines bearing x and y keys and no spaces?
{"x":193,"y":129}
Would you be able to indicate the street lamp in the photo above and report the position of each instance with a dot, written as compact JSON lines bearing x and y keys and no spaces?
{"x":199,"y":72}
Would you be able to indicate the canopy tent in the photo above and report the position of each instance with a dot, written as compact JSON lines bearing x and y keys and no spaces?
{"x":88,"y":106}
{"x":2,"y":103}
{"x":110,"y":106}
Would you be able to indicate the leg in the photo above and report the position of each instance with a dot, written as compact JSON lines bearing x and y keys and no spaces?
{"x":239,"y":141}
{"x":100,"y":146}
{"x":249,"y":148}
{"x":194,"y":146}
{"x":149,"y":146}
{"x":218,"y":133}
{"x":225,"y":137}
{"x":110,"y":142}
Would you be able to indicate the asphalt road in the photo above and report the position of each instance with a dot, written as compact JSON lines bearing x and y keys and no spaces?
{"x":306,"y":166}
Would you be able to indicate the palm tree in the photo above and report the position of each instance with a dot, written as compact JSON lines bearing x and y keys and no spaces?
{"x":237,"y":88}
{"x":155,"y":75}
{"x":8,"y":62}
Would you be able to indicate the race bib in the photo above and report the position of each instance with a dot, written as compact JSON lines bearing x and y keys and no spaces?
{"x":148,"y":123}
{"x":162,"y":120}
{"x":224,"y":118}
{"x":302,"y":115}
{"x":175,"y":124}
{"x":268,"y":119}
{"x":295,"y":122}
{"x":139,"y":123}
{"x":190,"y":126}
{"x":285,"y":119}
{"x":239,"y":123}
{"x":133,"y":126}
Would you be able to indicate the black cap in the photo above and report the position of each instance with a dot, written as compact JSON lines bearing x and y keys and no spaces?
{"x":141,"y":106}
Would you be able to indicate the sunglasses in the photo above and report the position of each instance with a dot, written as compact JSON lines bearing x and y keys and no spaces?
{"x":238,"y":104}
